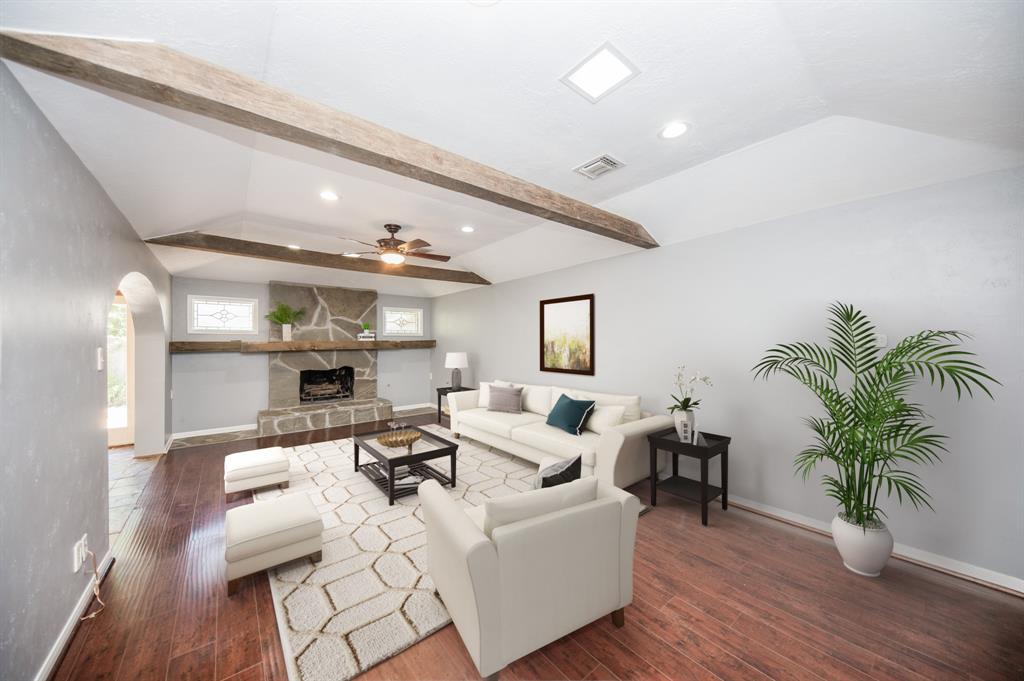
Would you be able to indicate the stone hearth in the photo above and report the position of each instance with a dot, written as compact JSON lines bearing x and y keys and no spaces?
{"x":327,"y":415}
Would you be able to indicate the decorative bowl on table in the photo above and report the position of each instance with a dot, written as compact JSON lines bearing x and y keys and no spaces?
{"x":399,"y":438}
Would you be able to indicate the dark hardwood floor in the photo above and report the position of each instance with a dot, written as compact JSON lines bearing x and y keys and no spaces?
{"x":745,"y":598}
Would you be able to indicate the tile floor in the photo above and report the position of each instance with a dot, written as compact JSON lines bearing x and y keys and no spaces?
{"x":128,"y":477}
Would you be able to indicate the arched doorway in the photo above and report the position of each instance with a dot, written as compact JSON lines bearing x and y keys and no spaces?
{"x":136,"y":394}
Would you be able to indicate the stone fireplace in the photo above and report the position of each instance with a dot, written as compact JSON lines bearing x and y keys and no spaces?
{"x":320,"y":389}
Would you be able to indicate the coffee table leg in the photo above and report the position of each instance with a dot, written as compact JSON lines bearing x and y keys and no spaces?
{"x":725,"y":479}
{"x":654,"y":475}
{"x":356,"y":458}
{"x":703,"y":491}
{"x":391,"y":485}
{"x":439,"y":407}
{"x":453,"y":468}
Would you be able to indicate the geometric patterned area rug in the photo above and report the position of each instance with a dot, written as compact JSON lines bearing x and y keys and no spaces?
{"x":370,"y":597}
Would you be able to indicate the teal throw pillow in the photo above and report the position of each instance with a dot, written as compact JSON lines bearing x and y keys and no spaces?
{"x":570,"y":415}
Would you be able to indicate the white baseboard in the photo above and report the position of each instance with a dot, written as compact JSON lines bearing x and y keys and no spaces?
{"x":167,"y":445}
{"x":57,"y":650}
{"x":927,"y":559}
{"x":413,"y":406}
{"x":214,"y":431}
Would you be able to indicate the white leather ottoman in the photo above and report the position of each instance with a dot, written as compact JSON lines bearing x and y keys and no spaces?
{"x":254,"y":469}
{"x":268,"y":533}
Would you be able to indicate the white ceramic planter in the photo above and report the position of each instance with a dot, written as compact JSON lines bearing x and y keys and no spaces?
{"x":286,"y":332}
{"x":685,"y":423}
{"x":864,"y":551}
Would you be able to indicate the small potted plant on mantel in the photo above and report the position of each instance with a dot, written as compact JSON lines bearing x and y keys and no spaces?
{"x":870,"y":431}
{"x":286,"y":315}
{"x":366,"y":334}
{"x":684,"y":404}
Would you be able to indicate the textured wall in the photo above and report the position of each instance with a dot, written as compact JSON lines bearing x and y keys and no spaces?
{"x":946,"y":256}
{"x":64,"y":248}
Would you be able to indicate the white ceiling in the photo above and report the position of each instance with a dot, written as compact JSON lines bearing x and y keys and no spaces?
{"x":483,"y":81}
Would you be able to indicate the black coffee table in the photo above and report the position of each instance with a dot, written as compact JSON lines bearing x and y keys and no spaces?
{"x":708,"y":447}
{"x":394,"y":463}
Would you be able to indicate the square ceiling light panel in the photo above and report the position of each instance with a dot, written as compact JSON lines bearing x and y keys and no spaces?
{"x":604,"y":71}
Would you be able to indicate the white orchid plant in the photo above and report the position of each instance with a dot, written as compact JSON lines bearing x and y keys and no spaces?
{"x":686,"y":383}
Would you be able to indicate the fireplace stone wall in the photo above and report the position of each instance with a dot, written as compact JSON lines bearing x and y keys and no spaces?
{"x":332,"y":313}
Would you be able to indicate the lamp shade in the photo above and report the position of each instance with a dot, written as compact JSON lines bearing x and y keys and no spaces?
{"x":455,"y":360}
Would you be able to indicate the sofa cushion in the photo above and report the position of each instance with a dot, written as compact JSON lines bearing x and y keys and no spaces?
{"x":509,"y":400}
{"x":604,"y":418}
{"x":630,"y":402}
{"x":496,"y":422}
{"x":484,"y":397}
{"x":558,"y":442}
{"x":537,"y":398}
{"x":516,"y":507}
{"x":267,"y":525}
{"x":570,"y":415}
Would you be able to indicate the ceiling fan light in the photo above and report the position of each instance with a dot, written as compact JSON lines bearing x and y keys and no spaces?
{"x":392,"y":257}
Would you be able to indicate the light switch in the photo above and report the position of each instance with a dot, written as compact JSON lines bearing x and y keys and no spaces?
{"x":881,"y":340}
{"x":100,"y":359}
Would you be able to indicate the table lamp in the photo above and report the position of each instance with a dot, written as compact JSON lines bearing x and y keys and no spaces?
{"x":456,"y":361}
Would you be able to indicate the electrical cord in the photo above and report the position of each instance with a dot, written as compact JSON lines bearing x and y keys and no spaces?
{"x":95,"y":590}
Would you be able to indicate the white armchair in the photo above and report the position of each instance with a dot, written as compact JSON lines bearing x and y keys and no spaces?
{"x":525,"y":570}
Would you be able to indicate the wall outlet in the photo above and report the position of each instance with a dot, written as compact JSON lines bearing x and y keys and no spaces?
{"x":100,"y":359}
{"x":81,"y":550}
{"x":881,"y":340}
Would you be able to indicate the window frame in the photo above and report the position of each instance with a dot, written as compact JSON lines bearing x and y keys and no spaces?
{"x":190,"y":323}
{"x":384,"y":321}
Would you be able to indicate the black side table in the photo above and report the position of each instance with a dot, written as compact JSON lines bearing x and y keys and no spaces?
{"x":709,"y":446}
{"x":441,"y":392}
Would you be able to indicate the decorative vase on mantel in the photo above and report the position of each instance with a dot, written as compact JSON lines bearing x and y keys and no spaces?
{"x":286,"y":332}
{"x":686,"y":422}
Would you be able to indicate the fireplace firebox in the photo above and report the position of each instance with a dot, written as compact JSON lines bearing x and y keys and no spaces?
{"x":325,"y":385}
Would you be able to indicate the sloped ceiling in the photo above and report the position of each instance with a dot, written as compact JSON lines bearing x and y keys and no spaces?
{"x":792,"y":106}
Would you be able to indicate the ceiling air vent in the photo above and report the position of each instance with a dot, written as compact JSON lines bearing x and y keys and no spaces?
{"x":597,"y":167}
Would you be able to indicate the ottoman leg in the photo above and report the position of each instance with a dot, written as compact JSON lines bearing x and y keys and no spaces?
{"x":233,"y":585}
{"x":284,"y":485}
{"x":317,"y":557}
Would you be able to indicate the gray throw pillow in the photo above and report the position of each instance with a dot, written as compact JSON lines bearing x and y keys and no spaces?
{"x":509,"y":400}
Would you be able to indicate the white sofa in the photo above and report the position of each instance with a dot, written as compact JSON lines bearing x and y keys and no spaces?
{"x":618,"y":455}
{"x":524,"y":570}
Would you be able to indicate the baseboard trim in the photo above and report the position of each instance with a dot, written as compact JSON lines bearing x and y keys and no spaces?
{"x":53,"y":658}
{"x":950,"y":566}
{"x":213,"y":431}
{"x":413,"y":406}
{"x":167,"y":445}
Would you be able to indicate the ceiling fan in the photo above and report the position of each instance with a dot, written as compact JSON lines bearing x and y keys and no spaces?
{"x":393,"y":250}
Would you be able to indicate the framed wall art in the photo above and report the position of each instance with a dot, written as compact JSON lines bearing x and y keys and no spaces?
{"x":567,"y":335}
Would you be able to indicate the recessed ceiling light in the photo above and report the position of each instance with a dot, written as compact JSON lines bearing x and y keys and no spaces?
{"x":328,"y":195}
{"x":672,"y":130}
{"x":468,"y":228}
{"x":600,"y":73}
{"x":351,"y":255}
{"x":295,"y":247}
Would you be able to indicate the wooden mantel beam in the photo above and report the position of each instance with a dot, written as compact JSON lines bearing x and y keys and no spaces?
{"x":255,"y":249}
{"x":163,"y":75}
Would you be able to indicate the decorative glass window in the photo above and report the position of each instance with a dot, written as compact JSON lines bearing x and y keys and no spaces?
{"x":210,"y":314}
{"x":403,"y":321}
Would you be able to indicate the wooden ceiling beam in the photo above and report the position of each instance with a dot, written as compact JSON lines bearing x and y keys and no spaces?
{"x":163,"y":75}
{"x":254,"y":249}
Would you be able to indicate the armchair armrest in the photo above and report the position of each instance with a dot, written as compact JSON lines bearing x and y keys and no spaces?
{"x":461,"y":401}
{"x":623,"y":456}
{"x":631,"y":507}
{"x":463,"y":565}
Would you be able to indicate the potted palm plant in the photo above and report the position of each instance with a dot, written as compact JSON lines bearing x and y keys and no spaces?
{"x":286,"y":315}
{"x":870,"y":431}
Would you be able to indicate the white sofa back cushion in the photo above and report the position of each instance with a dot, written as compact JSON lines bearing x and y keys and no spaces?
{"x":630,"y":402}
{"x":516,"y":507}
{"x":605,"y":417}
{"x":537,"y":399}
{"x":484,"y":399}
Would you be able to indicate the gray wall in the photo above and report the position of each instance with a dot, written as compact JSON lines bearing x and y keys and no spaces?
{"x":222,"y":390}
{"x":65,"y":248}
{"x":947,"y":256}
{"x":403,"y":376}
{"x":216,"y":390}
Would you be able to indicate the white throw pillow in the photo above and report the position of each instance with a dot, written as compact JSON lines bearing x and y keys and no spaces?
{"x":604,"y":418}
{"x":630,"y":402}
{"x":516,"y":507}
{"x":537,"y":399}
